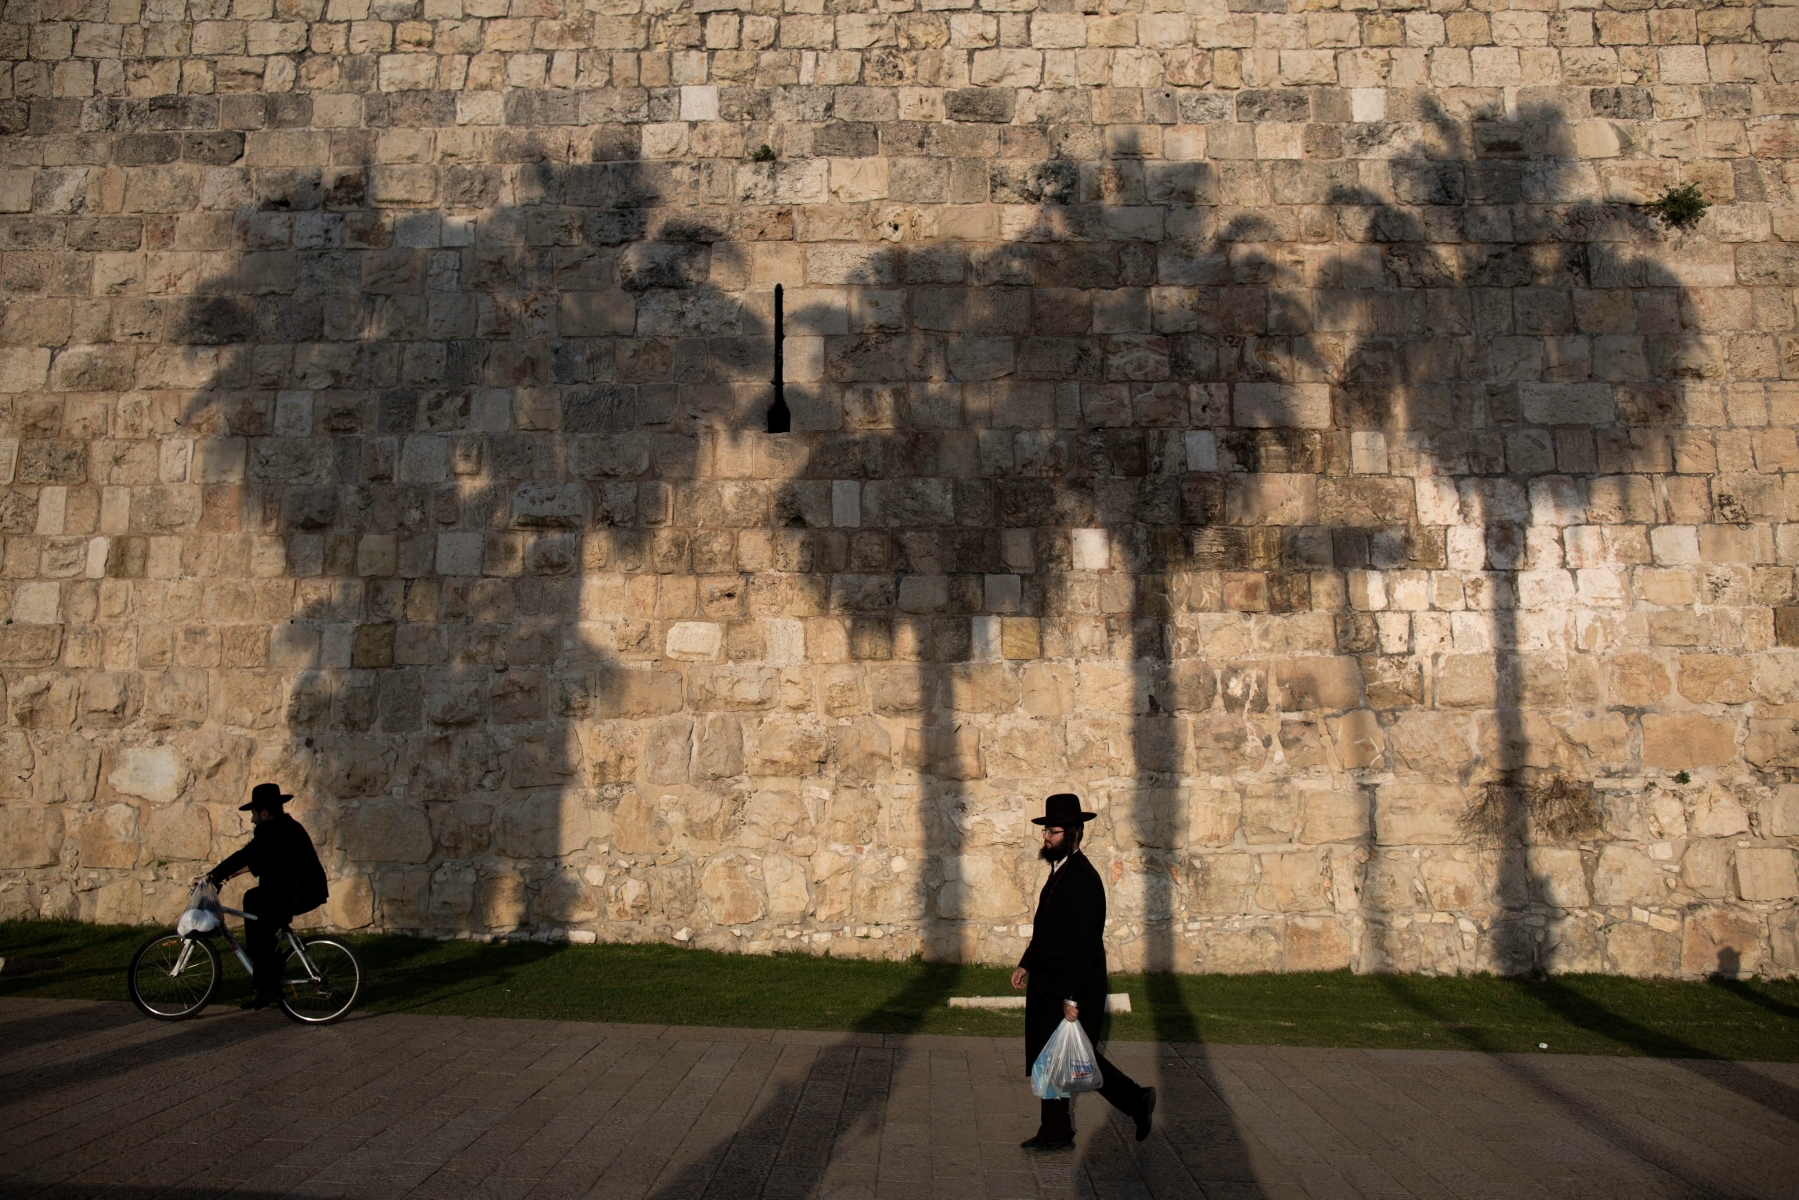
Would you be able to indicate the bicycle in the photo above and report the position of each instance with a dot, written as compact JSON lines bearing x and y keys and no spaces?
{"x":173,"y":976}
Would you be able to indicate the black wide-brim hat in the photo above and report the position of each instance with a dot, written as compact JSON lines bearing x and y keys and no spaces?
{"x":266,"y":796}
{"x":1062,"y":810}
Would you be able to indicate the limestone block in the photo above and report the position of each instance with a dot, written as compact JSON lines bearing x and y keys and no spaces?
{"x":154,"y":773}
{"x":120,"y":902}
{"x":1271,"y":499}
{"x":1392,"y":883}
{"x":727,"y":688}
{"x":1024,"y":749}
{"x":17,"y":763}
{"x":785,"y":746}
{"x":178,"y":833}
{"x":1625,"y":875}
{"x":1226,"y":744}
{"x":1433,"y":745}
{"x":1716,"y":679}
{"x":1410,"y":812}
{"x":1678,"y":743}
{"x":565,"y":898}
{"x":948,"y":752}
{"x":1720,"y":941}
{"x":667,"y":750}
{"x":1772,"y":742}
{"x":1220,"y":884}
{"x":1213,"y":816}
{"x":108,"y":837}
{"x":1573,"y":946}
{"x":501,"y":901}
{"x":1243,"y":950}
{"x":1603,"y":740}
{"x":1717,"y":813}
{"x":640,"y":827}
{"x":1047,"y":690}
{"x":862,"y":751}
{"x":1633,"y":949}
{"x":1360,"y":742}
{"x":43,"y":701}
{"x":403,"y":897}
{"x":788,"y":893}
{"x":1141,"y":888}
{"x":30,"y":837}
{"x":68,"y":768}
{"x":1766,"y":873}
{"x":717,"y":747}
{"x":1450,"y":884}
{"x":1705,"y":868}
{"x":891,"y":891}
{"x":979,"y":887}
{"x":1270,"y":813}
{"x":1782,"y":812}
{"x":552,"y":824}
{"x":1331,"y":683}
{"x":1332,"y":815}
{"x":695,"y":641}
{"x":704,"y":819}
{"x":1316,"y":944}
{"x":1466,"y":681}
{"x":1292,"y":882}
{"x":351,"y":904}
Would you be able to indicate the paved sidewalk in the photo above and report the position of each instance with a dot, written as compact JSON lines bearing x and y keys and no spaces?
{"x":96,"y":1100}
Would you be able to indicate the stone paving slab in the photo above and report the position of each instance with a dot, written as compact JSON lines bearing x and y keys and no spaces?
{"x":97,"y":1101}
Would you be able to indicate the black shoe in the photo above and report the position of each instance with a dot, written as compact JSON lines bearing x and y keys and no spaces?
{"x":1040,"y":1142}
{"x":1144,"y":1112}
{"x":258,"y":1002}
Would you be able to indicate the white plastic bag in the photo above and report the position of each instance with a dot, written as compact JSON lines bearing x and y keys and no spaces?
{"x":202,"y":915}
{"x":1067,"y":1064}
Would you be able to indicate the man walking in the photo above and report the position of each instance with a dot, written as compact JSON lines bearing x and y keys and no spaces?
{"x":290,"y":880}
{"x":1064,"y":970}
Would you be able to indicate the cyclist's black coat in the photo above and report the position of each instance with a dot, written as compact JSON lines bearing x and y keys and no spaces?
{"x":1067,"y":955}
{"x":281,"y":856}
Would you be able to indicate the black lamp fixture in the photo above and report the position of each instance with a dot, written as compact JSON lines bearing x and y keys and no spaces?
{"x":780,"y":417}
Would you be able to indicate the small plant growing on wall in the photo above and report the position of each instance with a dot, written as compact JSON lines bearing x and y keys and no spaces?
{"x":1678,"y":207}
{"x":763,"y":153}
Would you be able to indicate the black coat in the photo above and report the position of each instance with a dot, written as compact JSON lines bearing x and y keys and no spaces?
{"x":1067,"y":955}
{"x":286,"y":867}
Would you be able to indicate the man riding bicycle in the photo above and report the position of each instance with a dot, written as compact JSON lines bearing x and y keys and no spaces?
{"x":290,"y":880}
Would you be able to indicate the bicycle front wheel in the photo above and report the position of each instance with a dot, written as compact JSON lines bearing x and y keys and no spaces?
{"x":326,"y":992}
{"x":173,"y":977}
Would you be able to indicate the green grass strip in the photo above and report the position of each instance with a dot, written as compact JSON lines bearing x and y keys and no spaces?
{"x":667,"y":985}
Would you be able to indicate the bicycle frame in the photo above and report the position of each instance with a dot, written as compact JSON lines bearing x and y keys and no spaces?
{"x":293,"y":940}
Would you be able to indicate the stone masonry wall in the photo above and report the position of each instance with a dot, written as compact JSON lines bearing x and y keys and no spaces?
{"x":1273,"y":420}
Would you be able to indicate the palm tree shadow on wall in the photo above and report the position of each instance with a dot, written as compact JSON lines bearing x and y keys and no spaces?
{"x":1505,"y":331}
{"x":1528,"y":459}
{"x":467,"y":428}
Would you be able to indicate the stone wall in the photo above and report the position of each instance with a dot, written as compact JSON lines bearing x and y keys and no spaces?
{"x":1280,"y":427}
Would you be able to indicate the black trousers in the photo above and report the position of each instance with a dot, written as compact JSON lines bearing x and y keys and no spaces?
{"x":272,"y":915}
{"x":1120,"y":1090}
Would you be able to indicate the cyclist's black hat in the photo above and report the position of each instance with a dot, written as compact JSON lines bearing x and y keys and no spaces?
{"x":1063,"y":810}
{"x":266,"y":796}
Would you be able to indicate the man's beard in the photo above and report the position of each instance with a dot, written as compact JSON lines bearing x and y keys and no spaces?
{"x":1055,"y":854}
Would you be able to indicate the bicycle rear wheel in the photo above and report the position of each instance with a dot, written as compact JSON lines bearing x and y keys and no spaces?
{"x":173,"y":977}
{"x":325,"y":994}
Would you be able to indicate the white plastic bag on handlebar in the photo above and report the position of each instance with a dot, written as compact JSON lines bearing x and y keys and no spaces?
{"x":202,"y":915}
{"x":1066,"y":1064}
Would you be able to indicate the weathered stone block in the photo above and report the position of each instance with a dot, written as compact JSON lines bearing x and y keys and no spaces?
{"x":1766,"y":873}
{"x":1417,"y":813}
